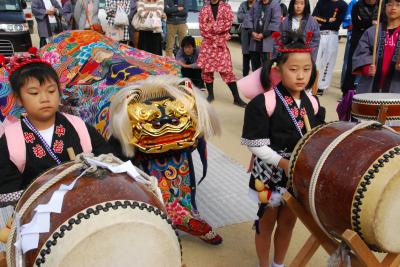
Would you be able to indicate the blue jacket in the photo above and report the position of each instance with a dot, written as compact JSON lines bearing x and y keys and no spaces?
{"x":174,"y":16}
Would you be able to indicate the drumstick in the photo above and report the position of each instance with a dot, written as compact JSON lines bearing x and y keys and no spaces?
{"x":71,"y":153}
{"x":307,"y":123}
{"x":376,"y":33}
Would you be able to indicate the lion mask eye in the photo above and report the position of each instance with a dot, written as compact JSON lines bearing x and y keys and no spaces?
{"x":140,"y":112}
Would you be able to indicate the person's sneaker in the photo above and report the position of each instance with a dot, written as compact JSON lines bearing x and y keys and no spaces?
{"x":320,"y":92}
{"x":240,"y":103}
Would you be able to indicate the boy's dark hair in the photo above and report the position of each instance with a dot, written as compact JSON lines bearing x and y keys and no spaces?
{"x":290,"y":40}
{"x":38,"y":70}
{"x":188,"y":40}
{"x":384,"y":19}
{"x":306,"y":12}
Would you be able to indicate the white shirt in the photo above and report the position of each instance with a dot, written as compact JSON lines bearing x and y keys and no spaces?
{"x":266,"y":153}
{"x":295,"y":23}
{"x":48,"y":135}
{"x":49,"y":5}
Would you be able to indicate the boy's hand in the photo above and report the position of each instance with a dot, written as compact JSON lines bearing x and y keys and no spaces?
{"x":332,"y":19}
{"x":397,"y":66}
{"x":372,"y":70}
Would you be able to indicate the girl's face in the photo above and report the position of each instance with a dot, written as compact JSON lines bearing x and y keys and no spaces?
{"x":188,"y":50}
{"x":299,"y":7}
{"x":39,"y":100}
{"x":296,"y":72}
{"x":393,"y":10}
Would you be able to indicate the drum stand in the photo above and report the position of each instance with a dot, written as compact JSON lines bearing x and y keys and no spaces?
{"x":361,"y":255}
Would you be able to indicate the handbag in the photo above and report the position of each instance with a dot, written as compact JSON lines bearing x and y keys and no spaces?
{"x":94,"y":27}
{"x":149,"y":23}
{"x":121,"y":18}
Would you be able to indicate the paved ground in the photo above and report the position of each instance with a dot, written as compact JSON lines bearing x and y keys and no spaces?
{"x":238,"y":248}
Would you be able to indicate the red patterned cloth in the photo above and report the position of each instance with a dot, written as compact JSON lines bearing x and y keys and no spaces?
{"x":214,"y":52}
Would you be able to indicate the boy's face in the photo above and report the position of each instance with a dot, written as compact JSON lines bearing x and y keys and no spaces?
{"x":393,"y":10}
{"x":40,"y":101}
{"x":188,"y":50}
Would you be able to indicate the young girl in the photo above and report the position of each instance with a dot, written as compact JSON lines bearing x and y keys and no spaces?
{"x":273,"y":124}
{"x":385,"y":78}
{"x":299,"y":19}
{"x":40,"y":139}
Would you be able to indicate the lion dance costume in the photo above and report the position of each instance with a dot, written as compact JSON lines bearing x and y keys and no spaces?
{"x":159,"y":122}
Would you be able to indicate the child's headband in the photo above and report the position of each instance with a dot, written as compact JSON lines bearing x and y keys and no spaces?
{"x":13,"y":63}
{"x":277,"y":38}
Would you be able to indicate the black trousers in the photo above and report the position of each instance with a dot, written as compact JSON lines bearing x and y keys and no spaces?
{"x":150,"y":42}
{"x":194,"y":75}
{"x":246,"y":64}
{"x":257,"y":59}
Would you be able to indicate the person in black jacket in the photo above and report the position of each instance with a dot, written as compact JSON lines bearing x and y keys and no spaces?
{"x":177,"y":12}
{"x":330,"y":15}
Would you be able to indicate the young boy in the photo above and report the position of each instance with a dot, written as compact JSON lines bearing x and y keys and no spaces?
{"x":42,"y":134}
{"x":187,"y":57}
{"x":330,"y":15}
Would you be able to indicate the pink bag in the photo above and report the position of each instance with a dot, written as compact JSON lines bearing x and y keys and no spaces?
{"x":250,"y":85}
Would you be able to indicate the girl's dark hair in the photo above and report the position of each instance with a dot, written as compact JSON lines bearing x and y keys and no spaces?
{"x":38,"y":70}
{"x":188,"y":40}
{"x":290,"y":40}
{"x":306,"y":12}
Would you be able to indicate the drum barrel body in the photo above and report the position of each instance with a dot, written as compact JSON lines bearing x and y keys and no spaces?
{"x":90,"y":190}
{"x":334,"y":191}
{"x":377,"y":106}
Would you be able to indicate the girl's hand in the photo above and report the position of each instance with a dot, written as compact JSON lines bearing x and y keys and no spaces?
{"x":284,"y":164}
{"x":332,"y":19}
{"x":397,"y":66}
{"x":372,"y":70}
{"x":254,"y":35}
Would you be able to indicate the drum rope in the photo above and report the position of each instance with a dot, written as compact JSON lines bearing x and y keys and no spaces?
{"x":321,"y":162}
{"x":80,"y":163}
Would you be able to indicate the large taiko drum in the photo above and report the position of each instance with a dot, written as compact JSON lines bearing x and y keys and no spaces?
{"x":383,"y":107}
{"x":347,"y":176}
{"x":107,"y":219}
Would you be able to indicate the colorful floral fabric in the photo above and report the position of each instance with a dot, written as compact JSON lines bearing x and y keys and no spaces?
{"x":92,"y":68}
{"x":174,"y":180}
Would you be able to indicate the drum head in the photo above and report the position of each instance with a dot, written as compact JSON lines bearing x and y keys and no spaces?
{"x":377,"y":98}
{"x":137,"y":234}
{"x":387,"y":219}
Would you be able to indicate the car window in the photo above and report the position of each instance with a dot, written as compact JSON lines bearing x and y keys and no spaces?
{"x":196,"y":5}
{"x":102,"y":4}
{"x":10,"y":5}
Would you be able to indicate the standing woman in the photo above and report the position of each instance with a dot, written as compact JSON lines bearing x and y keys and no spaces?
{"x":46,"y":13}
{"x":263,"y":19}
{"x":149,"y":14}
{"x":215,"y":21}
{"x":86,"y":13}
{"x":111,"y":11}
{"x":299,"y":20}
